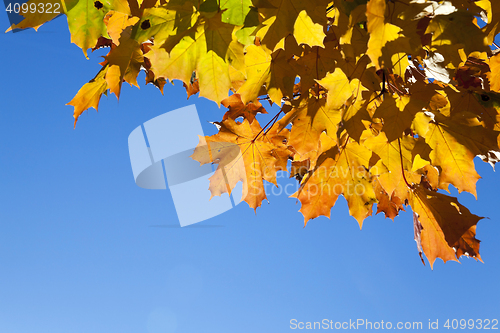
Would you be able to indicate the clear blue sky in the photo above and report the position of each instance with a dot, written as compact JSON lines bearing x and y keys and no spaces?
{"x":84,"y":249}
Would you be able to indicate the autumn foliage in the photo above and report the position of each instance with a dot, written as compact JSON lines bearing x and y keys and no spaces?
{"x":382,"y":101}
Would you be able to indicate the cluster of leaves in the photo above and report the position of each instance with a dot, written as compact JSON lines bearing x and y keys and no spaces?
{"x":394,"y":97}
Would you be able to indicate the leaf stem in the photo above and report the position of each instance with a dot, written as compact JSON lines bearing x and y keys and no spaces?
{"x":275,"y":118}
{"x":317,"y":72}
{"x":402,"y":168}
{"x":346,"y":142}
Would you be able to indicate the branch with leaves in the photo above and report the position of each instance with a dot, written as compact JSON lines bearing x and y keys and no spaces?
{"x":392,"y":97}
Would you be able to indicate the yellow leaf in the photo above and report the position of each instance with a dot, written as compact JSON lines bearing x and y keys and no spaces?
{"x":90,"y":94}
{"x":448,"y":228}
{"x":116,"y":23}
{"x":390,"y":205}
{"x":310,"y":117}
{"x":393,"y":160}
{"x":494,"y":75}
{"x":339,"y":88}
{"x":207,"y":49}
{"x":238,"y":109}
{"x":214,"y":76}
{"x":315,"y":64}
{"x":244,"y":153}
{"x":339,"y":171}
{"x":125,"y":62}
{"x":283,"y":17}
{"x":457,"y":28}
{"x":380,"y":31}
{"x":265,"y":68}
{"x":454,"y":159}
{"x":307,"y":32}
{"x":163,"y":22}
{"x":86,"y":20}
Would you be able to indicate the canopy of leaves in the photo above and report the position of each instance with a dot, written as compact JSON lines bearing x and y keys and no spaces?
{"x":383,"y":102}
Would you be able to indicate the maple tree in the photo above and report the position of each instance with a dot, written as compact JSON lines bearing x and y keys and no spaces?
{"x":382,"y":101}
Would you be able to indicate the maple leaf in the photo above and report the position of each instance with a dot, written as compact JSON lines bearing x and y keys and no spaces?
{"x":396,"y":118}
{"x":299,"y":169}
{"x":192,"y":88}
{"x":310,"y":117}
{"x":246,"y":153}
{"x":160,"y":81}
{"x":339,"y":171}
{"x":90,"y":94}
{"x":208,"y":48}
{"x":116,"y":23}
{"x":235,"y":11}
{"x":163,"y":22}
{"x":448,"y":228}
{"x":454,"y":30}
{"x":492,"y":27}
{"x":394,"y":169}
{"x":339,"y":87}
{"x":380,"y":31}
{"x":316,"y":63}
{"x":454,"y":147}
{"x":86,"y":20}
{"x":494,"y":75}
{"x":391,"y":205}
{"x":238,"y":109}
{"x":398,"y":110}
{"x":124,"y":62}
{"x":304,"y":19}
{"x":271,"y":69}
{"x":471,"y":105}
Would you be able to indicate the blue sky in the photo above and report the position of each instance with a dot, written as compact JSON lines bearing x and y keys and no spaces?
{"x":84,"y":249}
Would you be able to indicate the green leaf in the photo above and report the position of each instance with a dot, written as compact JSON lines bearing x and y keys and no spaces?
{"x":235,"y":11}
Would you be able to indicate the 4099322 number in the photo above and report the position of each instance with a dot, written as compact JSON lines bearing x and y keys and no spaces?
{"x":41,"y":8}
{"x":485,"y":324}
